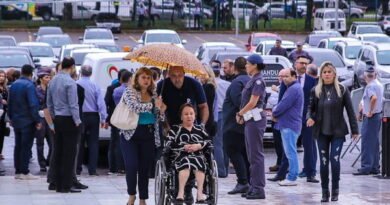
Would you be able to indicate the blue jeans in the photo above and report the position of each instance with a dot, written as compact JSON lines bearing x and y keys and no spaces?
{"x":335,"y":144}
{"x":219,"y":152}
{"x":289,"y":138}
{"x":115,"y":157}
{"x":24,"y":139}
{"x":370,"y":144}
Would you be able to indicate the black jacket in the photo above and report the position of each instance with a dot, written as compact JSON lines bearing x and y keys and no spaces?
{"x":110,"y":100}
{"x":339,"y":124}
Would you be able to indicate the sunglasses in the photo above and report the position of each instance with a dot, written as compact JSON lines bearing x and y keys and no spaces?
{"x":302,"y":63}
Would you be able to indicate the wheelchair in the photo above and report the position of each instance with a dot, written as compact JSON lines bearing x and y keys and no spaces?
{"x":167,"y":183}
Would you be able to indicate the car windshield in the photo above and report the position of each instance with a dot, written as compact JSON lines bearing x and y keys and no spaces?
{"x":320,"y":57}
{"x":56,"y":42}
{"x":369,"y":29}
{"x":383,"y":57}
{"x":257,"y":40}
{"x":163,"y":38}
{"x":332,"y":15}
{"x":79,"y":58}
{"x":351,"y":52}
{"x":268,"y":48}
{"x":314,"y":40}
{"x":41,"y":51}
{"x":233,"y":56}
{"x":13,"y":60}
{"x":331,"y":44}
{"x":7,"y":42}
{"x":377,"y":39}
{"x":212,"y":52}
{"x":98,"y":35}
{"x":45,"y":31}
{"x":111,"y":48}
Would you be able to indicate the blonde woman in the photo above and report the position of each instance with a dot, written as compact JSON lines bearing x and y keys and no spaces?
{"x":330,"y":128}
{"x":138,"y":145}
{"x":3,"y":97}
{"x":209,"y":86}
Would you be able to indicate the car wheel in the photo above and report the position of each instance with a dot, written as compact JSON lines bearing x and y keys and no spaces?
{"x":46,"y":16}
{"x":355,"y":16}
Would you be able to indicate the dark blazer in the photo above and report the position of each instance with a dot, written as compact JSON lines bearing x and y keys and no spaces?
{"x":110,"y":100}
{"x":310,"y":83}
{"x":316,"y":107}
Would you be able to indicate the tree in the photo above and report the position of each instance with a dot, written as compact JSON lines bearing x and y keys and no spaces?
{"x":385,"y":7}
{"x":309,"y":15}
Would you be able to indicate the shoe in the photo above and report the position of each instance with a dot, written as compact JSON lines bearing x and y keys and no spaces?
{"x":94,"y":174}
{"x":52,"y":187}
{"x":255,"y":195}
{"x":71,"y":190}
{"x":287,"y":183}
{"x":239,"y":189}
{"x":18,"y":176}
{"x":300,"y":149}
{"x":43,"y":169}
{"x":375,"y":172}
{"x":178,"y":201}
{"x":358,"y":173}
{"x":335,"y":195}
{"x":188,"y":198}
{"x":274,"y":168}
{"x":325,"y":195}
{"x":302,"y":174}
{"x":28,"y":176}
{"x":312,"y":180}
{"x":276,"y":179}
{"x":79,"y":185}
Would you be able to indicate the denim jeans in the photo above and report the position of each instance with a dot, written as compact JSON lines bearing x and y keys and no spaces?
{"x":370,"y":144}
{"x":289,"y":138}
{"x":335,"y":144}
{"x":219,"y":152}
{"x":115,"y":157}
{"x":24,"y":139}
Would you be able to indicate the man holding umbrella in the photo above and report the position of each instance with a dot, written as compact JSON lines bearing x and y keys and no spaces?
{"x":177,"y":90}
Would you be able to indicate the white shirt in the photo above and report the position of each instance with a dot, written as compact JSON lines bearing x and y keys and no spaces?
{"x":302,"y":80}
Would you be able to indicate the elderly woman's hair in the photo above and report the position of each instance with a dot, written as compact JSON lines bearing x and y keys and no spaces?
{"x":147,"y":71}
{"x":320,"y":84}
{"x":184,"y":106}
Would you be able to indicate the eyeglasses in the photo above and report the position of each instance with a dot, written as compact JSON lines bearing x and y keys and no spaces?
{"x":302,"y":63}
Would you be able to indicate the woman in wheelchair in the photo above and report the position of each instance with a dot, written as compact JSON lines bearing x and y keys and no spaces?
{"x":187,"y":142}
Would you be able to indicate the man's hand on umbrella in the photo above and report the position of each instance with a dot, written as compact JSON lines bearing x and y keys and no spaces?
{"x":160,"y":104}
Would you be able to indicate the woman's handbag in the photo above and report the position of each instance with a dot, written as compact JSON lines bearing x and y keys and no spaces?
{"x":123,"y":118}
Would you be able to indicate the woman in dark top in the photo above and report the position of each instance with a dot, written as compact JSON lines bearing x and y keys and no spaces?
{"x":187,"y":142}
{"x":325,"y":113}
{"x":4,"y":96}
{"x":209,"y":86}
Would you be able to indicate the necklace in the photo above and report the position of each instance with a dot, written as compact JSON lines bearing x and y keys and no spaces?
{"x":328,"y":93}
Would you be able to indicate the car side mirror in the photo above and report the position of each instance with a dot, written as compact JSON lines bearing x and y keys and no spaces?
{"x":184,"y":41}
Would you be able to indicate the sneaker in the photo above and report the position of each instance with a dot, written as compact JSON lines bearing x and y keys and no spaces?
{"x":18,"y":176}
{"x":287,"y":183}
{"x":28,"y":176}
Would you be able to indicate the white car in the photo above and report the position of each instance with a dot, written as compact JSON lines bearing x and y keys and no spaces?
{"x":66,"y":49}
{"x":264,"y":47}
{"x":98,"y":36}
{"x":374,"y":38}
{"x":158,"y":36}
{"x":79,"y":54}
{"x":42,"y":51}
{"x":245,"y":9}
{"x":359,"y":28}
{"x":207,"y":50}
{"x":56,"y":41}
{"x":349,"y":50}
{"x":330,"y":42}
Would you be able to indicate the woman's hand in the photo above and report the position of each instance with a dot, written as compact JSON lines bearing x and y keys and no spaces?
{"x":310,"y":122}
{"x":4,"y":102}
{"x":192,"y":147}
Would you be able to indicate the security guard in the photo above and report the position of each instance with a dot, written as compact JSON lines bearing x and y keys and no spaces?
{"x":252,"y":103}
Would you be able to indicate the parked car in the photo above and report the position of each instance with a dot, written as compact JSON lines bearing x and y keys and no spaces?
{"x":221,"y":56}
{"x":47,"y":30}
{"x":255,"y":38}
{"x":245,"y":9}
{"x":351,"y":11}
{"x":6,"y":40}
{"x":66,"y":49}
{"x":384,"y":23}
{"x":109,"y":46}
{"x":155,"y":36}
{"x":189,"y":8}
{"x":278,"y":9}
{"x":201,"y":49}
{"x":11,"y":12}
{"x":265,"y":46}
{"x":376,"y":55}
{"x":375,"y":38}
{"x":325,"y":19}
{"x":56,"y":41}
{"x":93,"y":35}
{"x":80,"y":10}
{"x":14,"y":57}
{"x":348,"y":50}
{"x":79,"y":54}
{"x":108,"y":20}
{"x":359,"y":28}
{"x":314,"y":39}
{"x":344,"y":72}
{"x":42,"y":51}
{"x":331,"y":42}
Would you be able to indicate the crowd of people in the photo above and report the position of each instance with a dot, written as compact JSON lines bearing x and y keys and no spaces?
{"x":223,"y":108}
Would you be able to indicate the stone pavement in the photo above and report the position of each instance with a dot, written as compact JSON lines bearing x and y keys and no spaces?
{"x":111,"y":190}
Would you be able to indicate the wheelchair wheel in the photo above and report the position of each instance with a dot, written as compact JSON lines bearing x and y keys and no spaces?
{"x":214,"y":184}
{"x":160,"y":184}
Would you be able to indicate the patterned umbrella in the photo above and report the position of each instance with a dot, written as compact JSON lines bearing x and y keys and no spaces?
{"x":165,"y":55}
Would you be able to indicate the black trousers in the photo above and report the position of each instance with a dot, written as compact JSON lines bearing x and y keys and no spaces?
{"x":234,"y":144}
{"x":2,"y":134}
{"x":278,"y":145}
{"x":41,"y":135}
{"x":65,"y":148}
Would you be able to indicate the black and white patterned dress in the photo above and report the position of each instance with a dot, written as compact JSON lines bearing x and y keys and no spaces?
{"x":179,"y":136}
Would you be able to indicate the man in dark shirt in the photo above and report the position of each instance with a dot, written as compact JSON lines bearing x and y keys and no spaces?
{"x":278,"y":49}
{"x":228,"y":70}
{"x":23,"y":108}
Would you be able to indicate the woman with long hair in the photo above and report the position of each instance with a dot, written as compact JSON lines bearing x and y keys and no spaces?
{"x":4,"y":97}
{"x":138,"y":144}
{"x":330,"y":128}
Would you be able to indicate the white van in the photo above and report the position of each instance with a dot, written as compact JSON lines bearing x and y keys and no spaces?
{"x":324,"y":19}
